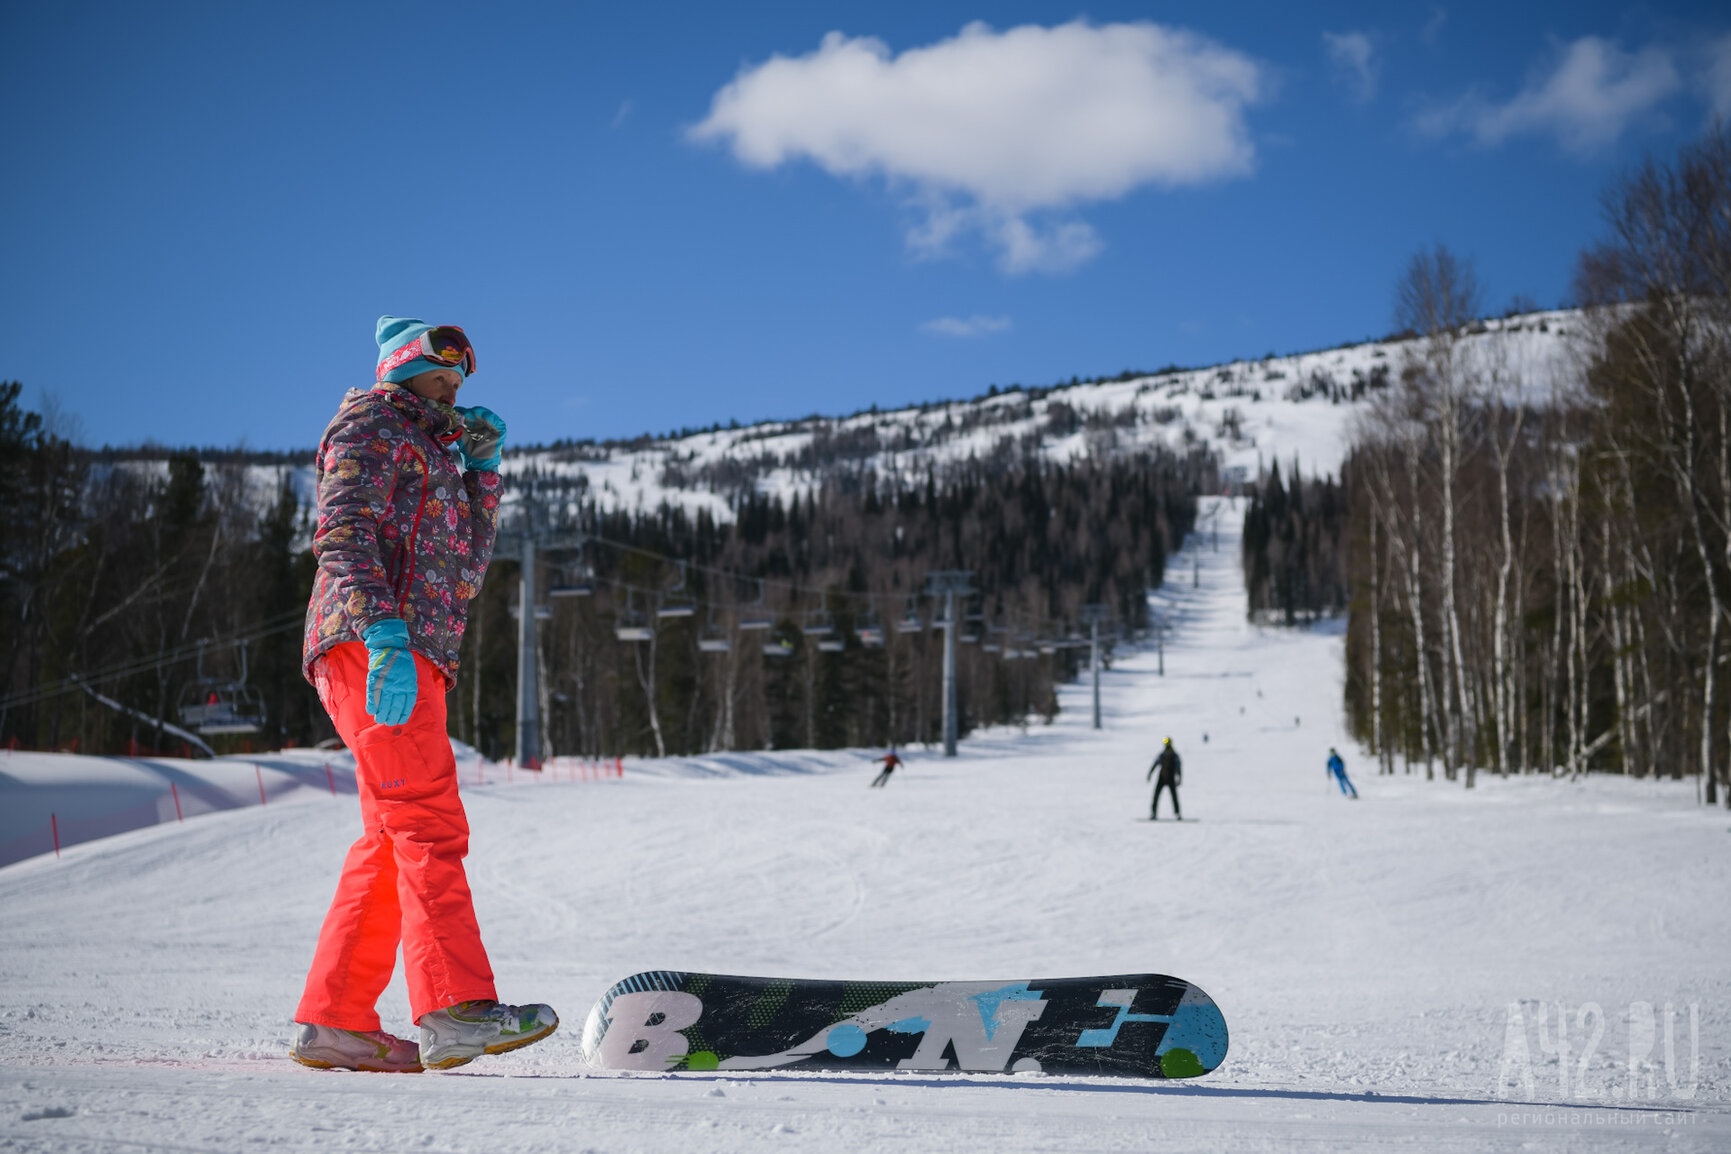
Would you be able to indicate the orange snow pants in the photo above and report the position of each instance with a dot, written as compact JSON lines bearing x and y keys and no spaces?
{"x":403,"y":881}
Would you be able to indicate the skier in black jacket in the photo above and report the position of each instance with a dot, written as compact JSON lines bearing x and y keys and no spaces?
{"x":1171,"y":773}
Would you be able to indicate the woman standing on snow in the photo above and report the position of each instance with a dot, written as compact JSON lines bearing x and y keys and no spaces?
{"x":408,"y":508}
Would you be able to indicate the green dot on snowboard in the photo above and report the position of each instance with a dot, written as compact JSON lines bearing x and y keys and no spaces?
{"x":702,"y":1060}
{"x":1181,"y":1063}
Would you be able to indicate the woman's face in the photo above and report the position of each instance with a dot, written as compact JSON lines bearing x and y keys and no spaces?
{"x":436,"y":385}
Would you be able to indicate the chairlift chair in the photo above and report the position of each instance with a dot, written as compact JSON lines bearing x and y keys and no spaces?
{"x":755,"y":619}
{"x":869,"y":630}
{"x":995,"y":640}
{"x":581,"y":584}
{"x":572,"y":589}
{"x":632,"y":625}
{"x":714,"y":638}
{"x":214,"y":706}
{"x":676,"y":604}
{"x":818,"y":622}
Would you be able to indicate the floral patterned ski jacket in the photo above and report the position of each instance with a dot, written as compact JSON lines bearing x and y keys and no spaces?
{"x":402,"y":530}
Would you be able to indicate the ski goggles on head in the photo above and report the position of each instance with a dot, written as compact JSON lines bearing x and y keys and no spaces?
{"x":445,"y":345}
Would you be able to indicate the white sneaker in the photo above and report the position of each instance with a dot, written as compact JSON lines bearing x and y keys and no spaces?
{"x":328,"y":1048}
{"x":463,"y":1032}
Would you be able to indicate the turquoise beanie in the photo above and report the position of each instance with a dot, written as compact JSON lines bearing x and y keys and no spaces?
{"x":395,"y":332}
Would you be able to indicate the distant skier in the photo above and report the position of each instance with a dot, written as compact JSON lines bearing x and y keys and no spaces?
{"x":1171,"y":773}
{"x":891,"y":763}
{"x":1337,"y":769}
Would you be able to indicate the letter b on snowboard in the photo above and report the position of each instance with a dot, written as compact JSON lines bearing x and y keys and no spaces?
{"x":643,"y":1029}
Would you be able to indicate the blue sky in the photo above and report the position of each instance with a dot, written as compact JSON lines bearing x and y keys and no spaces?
{"x":652,"y":216}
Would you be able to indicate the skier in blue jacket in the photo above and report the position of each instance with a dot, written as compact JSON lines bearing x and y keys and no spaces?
{"x":1337,"y":769}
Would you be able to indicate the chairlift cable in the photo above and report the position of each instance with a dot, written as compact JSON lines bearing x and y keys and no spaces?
{"x":686,"y":565}
{"x":74,"y":682}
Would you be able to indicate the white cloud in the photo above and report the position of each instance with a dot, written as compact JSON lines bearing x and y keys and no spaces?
{"x":1587,"y":100}
{"x":974,"y":326}
{"x":1718,"y":77}
{"x":1434,"y":26}
{"x":1353,"y":55}
{"x":989,"y":129}
{"x":1053,"y":246}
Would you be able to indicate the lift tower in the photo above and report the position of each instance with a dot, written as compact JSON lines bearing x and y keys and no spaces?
{"x":948,"y":583}
{"x":529,"y":536}
{"x":1093,"y":615}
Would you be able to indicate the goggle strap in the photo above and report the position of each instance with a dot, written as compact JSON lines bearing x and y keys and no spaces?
{"x":399,"y":358}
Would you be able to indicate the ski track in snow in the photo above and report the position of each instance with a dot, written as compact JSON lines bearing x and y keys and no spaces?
{"x":1366,"y":954}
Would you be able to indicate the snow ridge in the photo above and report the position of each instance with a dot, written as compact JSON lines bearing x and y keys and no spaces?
{"x":1249,"y":412}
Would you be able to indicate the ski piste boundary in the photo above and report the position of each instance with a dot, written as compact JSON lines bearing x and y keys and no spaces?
{"x":1127,"y":1025}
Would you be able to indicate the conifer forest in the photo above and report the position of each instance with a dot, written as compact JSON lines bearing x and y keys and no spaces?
{"x":139,"y":582}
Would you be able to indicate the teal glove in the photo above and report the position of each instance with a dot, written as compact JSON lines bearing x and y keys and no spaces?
{"x":483,"y":439}
{"x":391,"y":680}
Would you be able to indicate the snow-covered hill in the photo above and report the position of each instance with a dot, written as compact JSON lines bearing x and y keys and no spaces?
{"x":1532,"y":965}
{"x":1250,"y":412}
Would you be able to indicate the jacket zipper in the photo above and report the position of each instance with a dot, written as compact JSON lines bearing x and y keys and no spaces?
{"x":414,"y":530}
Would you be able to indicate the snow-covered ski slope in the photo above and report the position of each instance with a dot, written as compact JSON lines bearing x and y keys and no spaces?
{"x":1393,"y":969}
{"x":1251,"y":413}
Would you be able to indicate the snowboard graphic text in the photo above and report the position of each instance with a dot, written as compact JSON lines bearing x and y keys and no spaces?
{"x":1145,"y":1025}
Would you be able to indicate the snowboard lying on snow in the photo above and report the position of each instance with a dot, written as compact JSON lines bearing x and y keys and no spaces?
{"x":1130,"y":1025}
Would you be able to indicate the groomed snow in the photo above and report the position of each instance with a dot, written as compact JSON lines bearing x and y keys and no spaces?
{"x":1369,"y":955}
